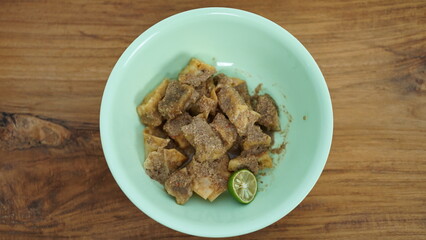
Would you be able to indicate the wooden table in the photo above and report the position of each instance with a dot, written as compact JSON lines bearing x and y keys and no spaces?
{"x":55,"y":57}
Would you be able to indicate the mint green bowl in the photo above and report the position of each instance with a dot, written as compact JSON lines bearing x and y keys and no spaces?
{"x":240,"y":44}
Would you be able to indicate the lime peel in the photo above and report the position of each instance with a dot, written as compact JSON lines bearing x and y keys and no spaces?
{"x":243,"y":186}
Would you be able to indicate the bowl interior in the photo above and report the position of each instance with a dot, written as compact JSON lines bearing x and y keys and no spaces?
{"x":243,"y":45}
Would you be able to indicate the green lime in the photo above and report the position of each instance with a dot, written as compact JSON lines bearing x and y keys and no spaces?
{"x":243,"y":186}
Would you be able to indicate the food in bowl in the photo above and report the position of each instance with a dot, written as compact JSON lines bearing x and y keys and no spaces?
{"x":203,"y":127}
{"x":255,"y":49}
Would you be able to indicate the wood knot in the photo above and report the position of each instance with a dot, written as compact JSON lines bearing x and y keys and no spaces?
{"x":22,"y":131}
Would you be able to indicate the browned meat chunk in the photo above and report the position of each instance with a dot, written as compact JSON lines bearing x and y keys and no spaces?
{"x":256,"y":141}
{"x":233,"y":105}
{"x":173,"y":158}
{"x":266,"y":106}
{"x":173,"y":128}
{"x":177,"y":99}
{"x":147,"y":110}
{"x":204,"y":106}
{"x":244,"y":162}
{"x":210,"y":177}
{"x":179,"y":185}
{"x":207,"y":143}
{"x":161,"y":163}
{"x":226,"y":130}
{"x":196,"y":72}
{"x":152,"y":141}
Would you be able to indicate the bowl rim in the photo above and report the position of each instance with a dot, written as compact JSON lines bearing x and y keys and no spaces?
{"x":139,"y":42}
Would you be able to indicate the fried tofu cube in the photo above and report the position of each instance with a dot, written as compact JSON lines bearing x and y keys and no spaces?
{"x":196,"y":72}
{"x":177,"y":99}
{"x":222,"y":80}
{"x":202,"y":89}
{"x":266,"y":106}
{"x":207,"y":143}
{"x":221,"y":177}
{"x":210,"y":86}
{"x":161,"y":163}
{"x":238,"y":112}
{"x":147,"y":110}
{"x":205,"y":88}
{"x":203,"y":187}
{"x":179,"y":185}
{"x":173,"y":129}
{"x":226,"y":130}
{"x":173,"y":159}
{"x":242,"y":89}
{"x":256,"y":140}
{"x":210,"y":177}
{"x":152,"y":141}
{"x":244,"y":162}
{"x":238,"y":84}
{"x":155,"y":166}
{"x":213,"y":96}
{"x":264,"y":160}
{"x":204,"y":106}
{"x":245,"y":119}
{"x":156,"y":131}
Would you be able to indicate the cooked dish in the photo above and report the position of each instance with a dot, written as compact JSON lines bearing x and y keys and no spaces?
{"x":202,"y":127}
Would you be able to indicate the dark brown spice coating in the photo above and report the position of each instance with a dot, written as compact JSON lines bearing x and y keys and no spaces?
{"x":256,"y":140}
{"x":161,"y":163}
{"x":179,"y":185}
{"x":244,"y":162}
{"x":177,"y":99}
{"x":207,"y":144}
{"x":226,"y":125}
{"x":196,"y":72}
{"x":225,"y":129}
{"x":173,"y":127}
{"x":267,"y":108}
{"x":204,"y":106}
{"x":237,"y":111}
{"x":242,"y":89}
{"x":210,"y":177}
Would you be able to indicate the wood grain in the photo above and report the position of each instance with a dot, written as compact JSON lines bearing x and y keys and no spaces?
{"x":55,"y":57}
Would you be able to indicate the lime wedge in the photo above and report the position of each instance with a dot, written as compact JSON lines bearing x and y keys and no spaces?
{"x":243,"y":186}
